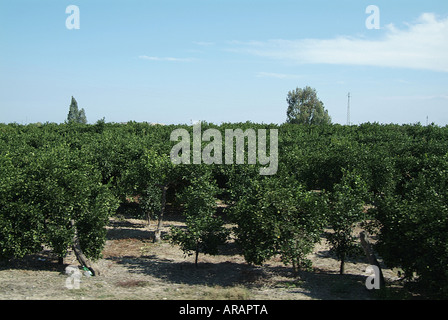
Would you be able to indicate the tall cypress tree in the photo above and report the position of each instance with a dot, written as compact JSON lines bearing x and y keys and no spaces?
{"x":76,"y":115}
{"x":73,"y":111}
{"x":82,"y":116}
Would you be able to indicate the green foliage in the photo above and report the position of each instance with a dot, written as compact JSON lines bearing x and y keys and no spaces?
{"x":151,"y":201}
{"x":414,"y":226}
{"x":347,"y":210}
{"x":51,"y":187}
{"x":19,"y":232}
{"x":75,"y":115}
{"x":278,"y":217}
{"x":154,"y":173}
{"x":204,"y":231}
{"x":52,"y":173}
{"x":82,"y":116}
{"x":304,"y":107}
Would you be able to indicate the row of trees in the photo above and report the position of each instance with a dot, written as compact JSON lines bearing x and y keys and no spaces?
{"x":304,"y":107}
{"x":328,"y":176}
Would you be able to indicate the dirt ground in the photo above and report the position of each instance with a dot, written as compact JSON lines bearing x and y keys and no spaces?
{"x":133,"y":267}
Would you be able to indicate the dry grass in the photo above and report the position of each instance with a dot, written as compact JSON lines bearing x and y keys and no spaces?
{"x":133,"y":267}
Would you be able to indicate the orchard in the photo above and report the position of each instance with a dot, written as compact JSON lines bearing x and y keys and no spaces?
{"x":60,"y":184}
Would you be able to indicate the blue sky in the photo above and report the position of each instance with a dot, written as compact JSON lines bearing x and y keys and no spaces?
{"x":223,"y":60}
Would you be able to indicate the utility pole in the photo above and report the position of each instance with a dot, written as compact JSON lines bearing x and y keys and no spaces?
{"x":348,"y":110}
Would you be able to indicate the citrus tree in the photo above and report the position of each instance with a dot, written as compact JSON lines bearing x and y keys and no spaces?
{"x":204,"y":231}
{"x":414,"y":226}
{"x":156,"y":175}
{"x":347,"y":209}
{"x":278,"y":217}
{"x":51,"y":188}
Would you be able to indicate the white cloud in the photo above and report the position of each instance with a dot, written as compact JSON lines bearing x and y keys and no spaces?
{"x":165,"y":59}
{"x":422,"y":45}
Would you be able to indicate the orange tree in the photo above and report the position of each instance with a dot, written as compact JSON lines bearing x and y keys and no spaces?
{"x":278,"y":216}
{"x":42,"y":190}
{"x":346,"y":210}
{"x":204,"y":231}
{"x":414,"y":226}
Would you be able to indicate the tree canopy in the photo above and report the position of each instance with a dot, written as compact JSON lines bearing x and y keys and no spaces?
{"x":304,"y":107}
{"x":75,"y":115}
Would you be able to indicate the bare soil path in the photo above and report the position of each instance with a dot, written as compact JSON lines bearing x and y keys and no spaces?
{"x":133,"y":267}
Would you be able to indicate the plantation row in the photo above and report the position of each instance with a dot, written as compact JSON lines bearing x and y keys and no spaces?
{"x":389,"y":179}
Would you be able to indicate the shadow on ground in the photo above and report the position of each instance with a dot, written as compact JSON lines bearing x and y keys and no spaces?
{"x":41,"y":261}
{"x":315,"y":284}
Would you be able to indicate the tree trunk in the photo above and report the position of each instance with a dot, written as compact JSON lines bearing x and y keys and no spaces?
{"x":79,"y":254}
{"x":148,"y":218}
{"x":157,"y":236}
{"x":197,"y":255}
{"x":371,"y":255}
{"x":342,"y":267}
